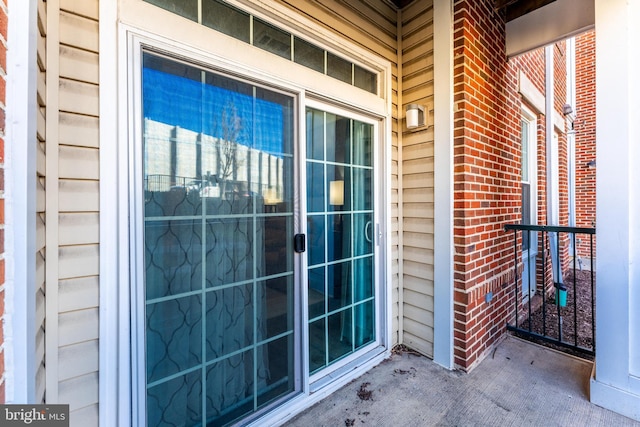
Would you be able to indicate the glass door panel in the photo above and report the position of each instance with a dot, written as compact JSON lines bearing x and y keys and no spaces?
{"x":219,"y":270}
{"x":340,"y":200}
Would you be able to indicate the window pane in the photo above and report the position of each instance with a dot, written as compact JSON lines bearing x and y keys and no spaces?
{"x":340,"y":334}
{"x":276,"y":377}
{"x":276,"y":249}
{"x":338,"y":68}
{"x":339,"y":237}
{"x":525,"y":150}
{"x":362,"y":189}
{"x":338,"y":139}
{"x":362,"y":136}
{"x":173,"y":255}
{"x":364,"y":79}
{"x":339,"y":285}
{"x":364,"y":333}
{"x":308,"y":55}
{"x":226,"y":19}
{"x":176,"y":402}
{"x":315,"y":187}
{"x":316,"y":231}
{"x":363,"y":234}
{"x":228,"y":320}
{"x":526,"y":213}
{"x":339,"y":186}
{"x":317,"y":342}
{"x":218,"y":185}
{"x":174,"y":338}
{"x":271,"y":39}
{"x":316,"y":292}
{"x":363,"y":278}
{"x":278,"y":294}
{"x":315,"y":134}
{"x":229,"y":389}
{"x":186,"y":8}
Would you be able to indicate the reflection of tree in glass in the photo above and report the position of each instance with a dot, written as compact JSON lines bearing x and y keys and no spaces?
{"x":230,"y":127}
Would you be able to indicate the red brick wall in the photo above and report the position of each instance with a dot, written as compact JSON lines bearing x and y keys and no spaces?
{"x":585,"y":128}
{"x":3,"y":86}
{"x":487,"y":171}
{"x":486,"y":178}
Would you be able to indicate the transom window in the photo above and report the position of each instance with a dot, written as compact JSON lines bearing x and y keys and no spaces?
{"x":250,"y":29}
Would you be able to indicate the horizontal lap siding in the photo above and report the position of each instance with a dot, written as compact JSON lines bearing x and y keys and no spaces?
{"x":417,"y":180}
{"x":41,"y":57}
{"x":78,"y":210}
{"x":370,"y":24}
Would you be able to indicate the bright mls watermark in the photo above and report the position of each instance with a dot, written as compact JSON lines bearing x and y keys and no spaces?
{"x":34,"y":415}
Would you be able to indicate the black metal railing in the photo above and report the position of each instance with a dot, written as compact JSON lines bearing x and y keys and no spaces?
{"x":572,"y":296}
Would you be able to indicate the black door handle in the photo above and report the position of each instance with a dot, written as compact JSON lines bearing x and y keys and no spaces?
{"x":299,"y":243}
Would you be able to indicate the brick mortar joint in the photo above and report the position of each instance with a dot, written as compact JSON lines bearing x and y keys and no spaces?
{"x":491,"y":282}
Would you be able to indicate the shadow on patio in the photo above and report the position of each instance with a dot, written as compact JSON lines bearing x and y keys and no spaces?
{"x":519,"y":384}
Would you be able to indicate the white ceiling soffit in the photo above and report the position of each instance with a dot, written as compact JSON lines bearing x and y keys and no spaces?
{"x":556,"y":21}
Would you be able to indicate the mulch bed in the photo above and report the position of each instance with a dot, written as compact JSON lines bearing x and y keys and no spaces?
{"x":549,"y":312}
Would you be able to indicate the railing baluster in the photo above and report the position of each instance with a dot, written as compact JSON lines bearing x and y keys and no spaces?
{"x":515,"y":269}
{"x":557,"y":289}
{"x":534,"y":271}
{"x":532,"y":276}
{"x":544,"y":283}
{"x":575,"y":307}
{"x":593,"y":297}
{"x":575,"y":297}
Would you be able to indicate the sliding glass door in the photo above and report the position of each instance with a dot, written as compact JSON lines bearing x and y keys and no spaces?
{"x":219,"y":270}
{"x":223,"y":289}
{"x":340,"y":223}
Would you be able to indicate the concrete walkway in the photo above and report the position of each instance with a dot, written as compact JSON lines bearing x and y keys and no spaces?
{"x":520,"y":384}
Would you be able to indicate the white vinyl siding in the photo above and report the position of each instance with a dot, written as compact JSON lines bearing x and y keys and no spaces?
{"x":417,"y":181}
{"x":69,"y":56}
{"x":40,"y":202}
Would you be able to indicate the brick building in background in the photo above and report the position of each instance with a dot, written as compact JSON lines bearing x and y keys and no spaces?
{"x":585,"y":129}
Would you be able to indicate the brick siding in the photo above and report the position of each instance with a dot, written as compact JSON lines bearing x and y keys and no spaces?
{"x":487,"y":172}
{"x":585,"y":128}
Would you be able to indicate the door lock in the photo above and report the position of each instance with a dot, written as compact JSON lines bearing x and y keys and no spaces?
{"x":299,"y":243}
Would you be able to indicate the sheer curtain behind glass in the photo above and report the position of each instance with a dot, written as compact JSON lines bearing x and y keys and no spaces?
{"x":219,"y":315}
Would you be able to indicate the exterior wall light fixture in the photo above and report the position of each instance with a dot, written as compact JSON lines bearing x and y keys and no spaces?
{"x":415,"y":116}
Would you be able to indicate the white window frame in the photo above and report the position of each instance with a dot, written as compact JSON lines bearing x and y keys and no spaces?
{"x":327,"y":374}
{"x":528,"y":116}
{"x":134,"y":23}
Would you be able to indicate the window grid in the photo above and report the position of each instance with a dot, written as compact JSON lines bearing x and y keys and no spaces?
{"x":355,"y":304}
{"x":370,"y":84}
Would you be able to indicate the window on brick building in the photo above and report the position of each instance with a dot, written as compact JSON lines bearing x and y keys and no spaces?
{"x":528,"y":200}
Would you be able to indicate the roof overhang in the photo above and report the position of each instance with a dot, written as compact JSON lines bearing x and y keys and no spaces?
{"x":556,"y":20}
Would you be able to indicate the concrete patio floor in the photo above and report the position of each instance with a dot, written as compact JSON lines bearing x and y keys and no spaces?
{"x":519,"y":384}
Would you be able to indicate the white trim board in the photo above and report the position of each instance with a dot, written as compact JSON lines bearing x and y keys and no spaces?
{"x":20,"y":203}
{"x":615,"y":399}
{"x":530,"y":93}
{"x":443,"y":179}
{"x":556,"y":21}
{"x":114,"y":382}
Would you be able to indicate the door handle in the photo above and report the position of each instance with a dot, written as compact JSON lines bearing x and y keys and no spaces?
{"x":299,"y":243}
{"x":367,"y":232}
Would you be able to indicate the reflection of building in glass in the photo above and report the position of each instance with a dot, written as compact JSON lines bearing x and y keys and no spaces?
{"x":178,"y":157}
